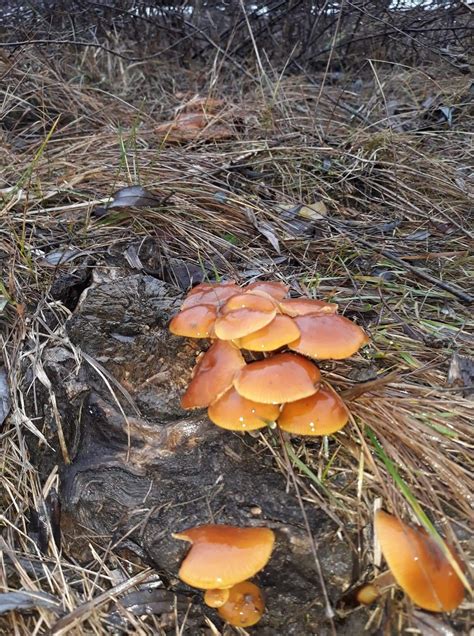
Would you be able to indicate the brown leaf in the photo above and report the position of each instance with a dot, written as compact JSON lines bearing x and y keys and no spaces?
{"x":190,"y":126}
{"x":461,"y":373}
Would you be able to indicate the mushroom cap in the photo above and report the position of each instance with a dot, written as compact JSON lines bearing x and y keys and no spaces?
{"x":255,"y":302}
{"x":243,"y":314}
{"x":245,"y":605}
{"x":284,"y":377}
{"x":276,"y":334}
{"x":275,"y":289}
{"x":212,"y":375}
{"x":210,"y":294}
{"x":194,"y":322}
{"x":222,"y":556}
{"x":234,"y":413}
{"x":418,"y":564}
{"x":304,"y":306}
{"x":328,"y":337}
{"x":216,"y":598}
{"x":320,"y":414}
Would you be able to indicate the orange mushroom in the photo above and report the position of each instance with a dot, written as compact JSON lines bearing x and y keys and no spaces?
{"x":222,"y":556}
{"x":255,"y":302}
{"x":284,"y":377}
{"x":213,"y":374}
{"x":216,"y":598}
{"x":210,"y":294}
{"x":234,"y":413}
{"x":194,"y":322}
{"x":328,"y":337}
{"x":275,"y":289}
{"x":304,"y":306}
{"x":320,"y":414}
{"x":276,"y":334}
{"x":418,"y":564}
{"x":243,"y":314}
{"x":245,"y":605}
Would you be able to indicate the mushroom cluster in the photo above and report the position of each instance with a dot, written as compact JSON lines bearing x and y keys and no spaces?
{"x":220,"y":561}
{"x":280,"y":384}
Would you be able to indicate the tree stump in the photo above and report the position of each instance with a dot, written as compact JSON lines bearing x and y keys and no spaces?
{"x":134,"y":467}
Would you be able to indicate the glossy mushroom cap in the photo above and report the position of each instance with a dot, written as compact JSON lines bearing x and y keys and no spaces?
{"x":323,"y":413}
{"x":234,"y":413}
{"x":245,"y":605}
{"x":418,"y":564}
{"x":275,"y":289}
{"x":276,"y":334}
{"x":222,"y":556}
{"x":216,"y":598}
{"x":304,"y":306}
{"x":284,"y":377}
{"x":210,"y":294}
{"x":213,"y":374}
{"x":243,"y":314}
{"x":194,"y":322}
{"x":328,"y":337}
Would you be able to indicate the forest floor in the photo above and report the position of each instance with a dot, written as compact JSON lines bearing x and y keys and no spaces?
{"x":354,"y":190}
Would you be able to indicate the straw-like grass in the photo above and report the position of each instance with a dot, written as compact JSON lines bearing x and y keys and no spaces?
{"x":392,"y":168}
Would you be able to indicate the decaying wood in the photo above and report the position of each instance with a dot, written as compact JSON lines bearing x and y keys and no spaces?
{"x":141,"y":468}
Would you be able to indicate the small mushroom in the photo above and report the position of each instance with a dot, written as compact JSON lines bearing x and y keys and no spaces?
{"x":233,"y":412}
{"x":328,"y":337}
{"x":222,"y":556}
{"x":276,"y":334}
{"x":255,"y":302}
{"x":194,"y":322}
{"x":323,"y":413}
{"x":418,"y":564}
{"x":243,"y":314}
{"x":275,"y":289}
{"x":245,"y":605}
{"x":304,"y":306}
{"x":210,"y":294}
{"x":285,"y":377}
{"x":216,"y":598}
{"x":213,"y":374}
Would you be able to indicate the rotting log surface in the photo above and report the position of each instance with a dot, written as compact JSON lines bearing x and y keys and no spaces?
{"x":159,"y":469}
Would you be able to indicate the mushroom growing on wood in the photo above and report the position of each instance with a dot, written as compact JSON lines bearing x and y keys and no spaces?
{"x":222,"y":556}
{"x":210,"y":294}
{"x":304,"y":306}
{"x":328,"y":337}
{"x":276,"y":334}
{"x":418,"y":564}
{"x":235,"y":413}
{"x":275,"y":289}
{"x":320,"y":414}
{"x":245,"y":605}
{"x":194,"y":322}
{"x":243,"y":314}
{"x":285,"y":377}
{"x":213,"y":374}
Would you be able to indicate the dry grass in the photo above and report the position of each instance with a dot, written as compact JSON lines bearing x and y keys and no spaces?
{"x":394,"y":176}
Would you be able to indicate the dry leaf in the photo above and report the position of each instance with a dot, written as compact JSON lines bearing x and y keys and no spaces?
{"x":5,"y":402}
{"x":314,"y":212}
{"x":190,"y":126}
{"x":461,"y":373}
{"x":133,"y":196}
{"x":265,"y":230}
